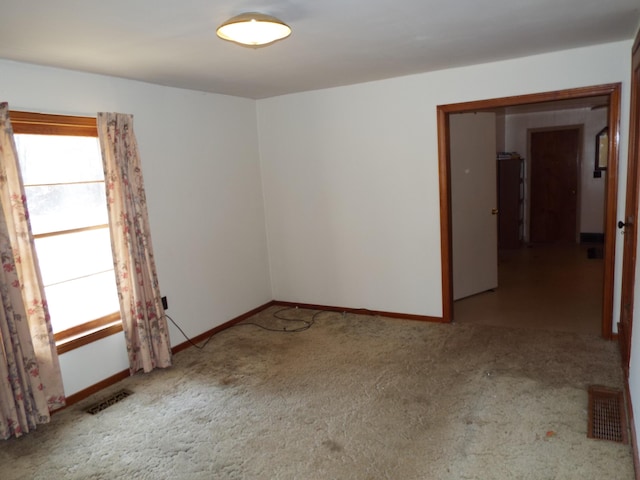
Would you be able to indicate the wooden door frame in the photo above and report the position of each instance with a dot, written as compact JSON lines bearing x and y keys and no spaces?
{"x":612,"y":91}
{"x":580,"y":129}
{"x":633,"y":182}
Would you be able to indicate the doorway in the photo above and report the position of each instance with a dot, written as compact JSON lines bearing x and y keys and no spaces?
{"x":612,"y":93}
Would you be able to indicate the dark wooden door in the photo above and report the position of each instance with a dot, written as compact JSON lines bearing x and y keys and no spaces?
{"x":630,"y":224}
{"x":554,"y":185}
{"x":509,"y":202}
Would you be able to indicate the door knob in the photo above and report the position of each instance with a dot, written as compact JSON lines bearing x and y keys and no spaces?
{"x":621,"y":224}
{"x":494,"y":211}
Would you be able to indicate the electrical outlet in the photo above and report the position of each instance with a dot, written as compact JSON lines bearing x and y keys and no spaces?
{"x":165,"y":304}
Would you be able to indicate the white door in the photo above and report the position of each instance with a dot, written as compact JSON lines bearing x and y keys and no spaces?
{"x":473,"y":203}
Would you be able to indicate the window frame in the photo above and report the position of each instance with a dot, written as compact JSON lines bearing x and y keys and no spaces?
{"x":76,"y":126}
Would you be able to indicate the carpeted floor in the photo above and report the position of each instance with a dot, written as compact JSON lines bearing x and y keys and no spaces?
{"x":353,"y":397}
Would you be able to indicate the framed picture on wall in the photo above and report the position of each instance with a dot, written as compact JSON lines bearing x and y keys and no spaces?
{"x":602,"y":149}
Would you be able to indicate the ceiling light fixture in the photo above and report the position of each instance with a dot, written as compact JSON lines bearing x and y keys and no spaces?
{"x":253,"y":29}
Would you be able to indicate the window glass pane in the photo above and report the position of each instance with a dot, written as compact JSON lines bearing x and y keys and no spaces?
{"x":79,"y":301}
{"x":64,"y":184}
{"x":46,"y":159}
{"x":65,"y":257}
{"x":63,"y":207}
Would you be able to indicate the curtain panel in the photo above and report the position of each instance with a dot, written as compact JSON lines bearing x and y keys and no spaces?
{"x":30,"y":378}
{"x":143,"y":318}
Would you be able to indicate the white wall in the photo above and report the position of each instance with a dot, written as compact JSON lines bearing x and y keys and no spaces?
{"x":350,"y":176}
{"x":202,"y":176}
{"x":351,"y":204}
{"x":591,"y":190}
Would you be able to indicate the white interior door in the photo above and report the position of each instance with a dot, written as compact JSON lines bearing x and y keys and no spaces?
{"x":473,"y":200}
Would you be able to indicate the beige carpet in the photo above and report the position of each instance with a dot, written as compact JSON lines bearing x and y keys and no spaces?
{"x":353,"y":397}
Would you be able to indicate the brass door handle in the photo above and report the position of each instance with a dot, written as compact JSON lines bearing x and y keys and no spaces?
{"x":494,"y":211}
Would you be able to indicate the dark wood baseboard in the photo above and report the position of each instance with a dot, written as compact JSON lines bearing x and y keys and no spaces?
{"x":361,"y":311}
{"x":82,"y":394}
{"x":107,"y":382}
{"x":219,"y":328}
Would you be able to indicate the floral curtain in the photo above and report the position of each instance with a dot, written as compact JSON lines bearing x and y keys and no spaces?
{"x":30,"y":378}
{"x":144,"y":322}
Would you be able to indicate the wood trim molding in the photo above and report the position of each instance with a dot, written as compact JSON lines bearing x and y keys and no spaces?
{"x":65,"y":346}
{"x":86,"y":327}
{"x":107,"y":382}
{"x":612,"y":91}
{"x":47,"y":124}
{"x":611,"y":202}
{"x":529,"y":99}
{"x":82,"y":394}
{"x":73,"y":230}
{"x":629,"y":405}
{"x":361,"y":311}
{"x":445,"y":215}
{"x":209,"y":333}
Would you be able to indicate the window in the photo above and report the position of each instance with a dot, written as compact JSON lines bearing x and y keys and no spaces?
{"x":61,"y":168}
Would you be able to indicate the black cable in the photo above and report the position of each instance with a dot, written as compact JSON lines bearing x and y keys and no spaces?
{"x":307,"y":323}
{"x":306,"y":326}
{"x":185,"y":335}
{"x":277,"y":314}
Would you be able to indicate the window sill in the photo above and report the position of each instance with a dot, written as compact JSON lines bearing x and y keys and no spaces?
{"x":71,"y":343}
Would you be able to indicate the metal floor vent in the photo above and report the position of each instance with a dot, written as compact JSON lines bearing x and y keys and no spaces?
{"x":606,"y":414}
{"x":107,"y":402}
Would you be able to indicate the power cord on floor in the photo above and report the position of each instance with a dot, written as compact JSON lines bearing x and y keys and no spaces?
{"x":306,"y":325}
{"x":199,"y":347}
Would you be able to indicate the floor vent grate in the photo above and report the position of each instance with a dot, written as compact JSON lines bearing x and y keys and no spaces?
{"x":107,"y":402}
{"x":606,"y":414}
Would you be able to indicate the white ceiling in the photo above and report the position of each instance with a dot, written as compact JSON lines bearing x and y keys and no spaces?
{"x":334,"y":42}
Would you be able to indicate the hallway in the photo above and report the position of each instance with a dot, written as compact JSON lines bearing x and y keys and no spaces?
{"x":544,"y":287}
